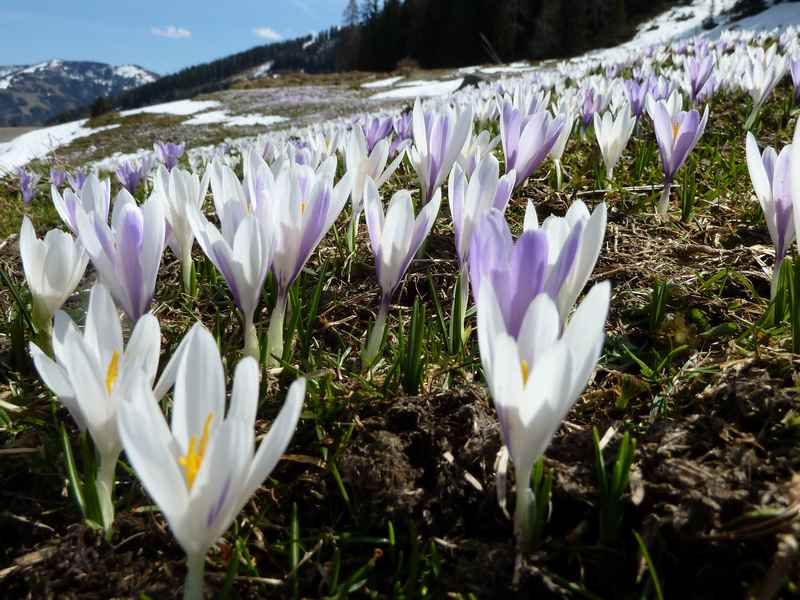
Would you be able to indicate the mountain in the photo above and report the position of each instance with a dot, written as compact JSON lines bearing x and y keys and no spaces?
{"x":34,"y":94}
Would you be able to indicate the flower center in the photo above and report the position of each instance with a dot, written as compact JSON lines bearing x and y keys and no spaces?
{"x":112,"y":372}
{"x":523,"y":366}
{"x":193,"y":458}
{"x":676,"y":127}
{"x":302,"y":208}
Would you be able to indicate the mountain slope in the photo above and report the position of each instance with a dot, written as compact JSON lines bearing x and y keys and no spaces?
{"x":34,"y":94}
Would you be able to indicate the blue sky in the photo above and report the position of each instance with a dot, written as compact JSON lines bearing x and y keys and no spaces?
{"x":163,"y":36}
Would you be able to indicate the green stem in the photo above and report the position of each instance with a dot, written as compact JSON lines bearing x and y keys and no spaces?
{"x":275,"y":332}
{"x":523,"y":508}
{"x":195,"y":571}
{"x":557,"y":164}
{"x":250,"y":339}
{"x":186,"y":270}
{"x":663,"y":201}
{"x":375,"y":336}
{"x":104,"y":484}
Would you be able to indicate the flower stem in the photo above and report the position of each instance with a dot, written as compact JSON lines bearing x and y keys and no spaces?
{"x":523,"y":509}
{"x":275,"y":332}
{"x":376,"y":335}
{"x":663,"y":201}
{"x":104,"y":484}
{"x":557,"y":164}
{"x":186,"y":270}
{"x":250,"y":339}
{"x":195,"y":570}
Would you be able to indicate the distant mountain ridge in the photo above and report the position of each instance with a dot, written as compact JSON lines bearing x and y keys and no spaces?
{"x":35,"y":94}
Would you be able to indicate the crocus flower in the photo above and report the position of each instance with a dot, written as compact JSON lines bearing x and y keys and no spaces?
{"x":395,"y":237}
{"x":613,"y":133}
{"x":438,"y":140}
{"x":363,"y":163}
{"x":794,"y":69}
{"x":536,"y":375}
{"x":794,"y":179}
{"x":375,"y":129}
{"x":27,"y":184}
{"x":475,"y":149}
{"x":558,"y":231}
{"x":91,"y":374}
{"x":93,"y":196}
{"x":591,"y":104}
{"x":636,"y":93}
{"x":168,"y":153}
{"x":305,"y":206}
{"x":568,"y":115}
{"x":178,"y":190}
{"x":58,"y":176}
{"x":202,"y":467}
{"x":527,"y":139}
{"x":676,"y":136}
{"x":518,"y":271}
{"x":769,"y":173}
{"x":53,"y":268}
{"x":76,"y":179}
{"x":763,"y":71}
{"x":127,"y":254}
{"x":403,"y":127}
{"x":242,"y":251}
{"x":131,"y":173}
{"x":698,"y":70}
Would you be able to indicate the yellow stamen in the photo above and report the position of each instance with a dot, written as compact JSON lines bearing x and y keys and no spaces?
{"x":523,"y":365}
{"x":676,"y":127}
{"x":193,"y":458}
{"x":302,"y":208}
{"x":112,"y":372}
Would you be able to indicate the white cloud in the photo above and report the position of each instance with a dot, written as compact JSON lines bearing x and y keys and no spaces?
{"x":268,"y":33}
{"x":170,"y":31}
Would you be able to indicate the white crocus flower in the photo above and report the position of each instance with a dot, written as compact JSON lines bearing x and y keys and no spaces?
{"x":177,"y":190}
{"x":93,"y":197}
{"x":568,"y":114}
{"x":53,"y":268}
{"x":91,"y":374}
{"x":558,"y":230}
{"x":536,"y":378}
{"x":613,"y":133}
{"x":203,"y":467}
{"x":362,"y":164}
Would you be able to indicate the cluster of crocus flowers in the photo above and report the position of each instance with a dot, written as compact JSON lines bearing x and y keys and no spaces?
{"x":395,"y":237}
{"x":202,"y":467}
{"x":676,"y":134}
{"x":698,"y":70}
{"x":770,"y":175}
{"x":132,"y":173}
{"x":91,"y":374}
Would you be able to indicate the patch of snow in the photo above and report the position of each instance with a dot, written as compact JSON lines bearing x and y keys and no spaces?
{"x":468,"y":70}
{"x":40,"y":142}
{"x":679,"y":22}
{"x":512,"y":68}
{"x":417,"y":82}
{"x":776,"y":16}
{"x":224,"y":118}
{"x":427,"y":90}
{"x":263,"y":70}
{"x":309,"y":43}
{"x":133,"y":72}
{"x":382,"y":83}
{"x":180,"y":108}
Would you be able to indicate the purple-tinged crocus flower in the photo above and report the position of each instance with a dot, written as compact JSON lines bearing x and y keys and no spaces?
{"x":698,"y":70}
{"x":769,"y":173}
{"x":403,"y":126}
{"x":76,"y":179}
{"x":527,"y":139}
{"x":637,"y":96}
{"x":169,"y":153}
{"x":94,"y":196}
{"x":127,"y":254}
{"x":438,"y":141}
{"x":27,"y":184}
{"x":242,"y":249}
{"x":305,"y":206}
{"x":58,"y":176}
{"x":519,"y":271}
{"x":131,"y":173}
{"x":676,"y":137}
{"x":376,"y":129}
{"x":794,"y":69}
{"x":395,"y":237}
{"x":591,"y":104}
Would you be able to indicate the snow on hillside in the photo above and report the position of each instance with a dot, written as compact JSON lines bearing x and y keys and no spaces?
{"x":421,"y":89}
{"x":39,"y":143}
{"x":178,"y":107}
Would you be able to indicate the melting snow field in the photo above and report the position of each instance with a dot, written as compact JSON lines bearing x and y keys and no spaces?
{"x":179,"y":108}
{"x":223,"y":117}
{"x":426,"y":90}
{"x":39,"y":143}
{"x":382,"y":83}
